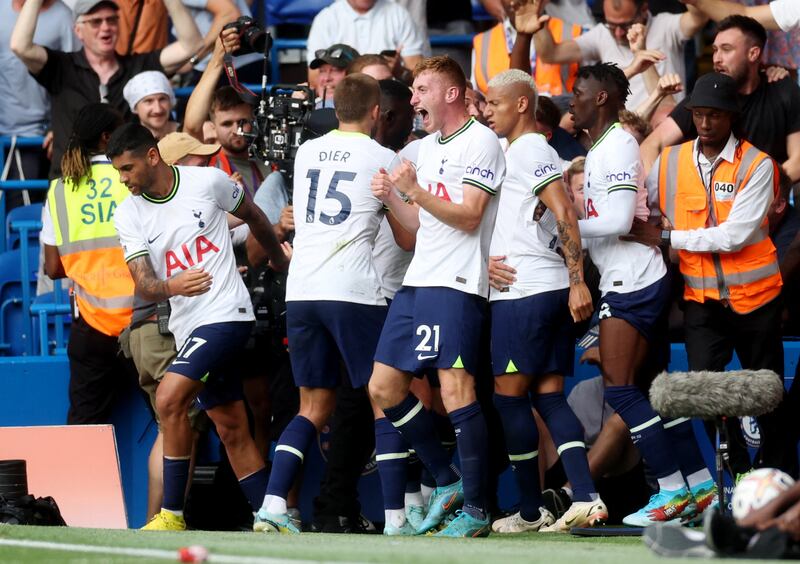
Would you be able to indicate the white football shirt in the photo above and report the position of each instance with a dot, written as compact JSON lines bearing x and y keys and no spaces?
{"x":391,"y":261}
{"x":525,"y":230}
{"x":445,"y":256}
{"x":189,"y":229}
{"x":614,"y":163}
{"x":336,"y":219}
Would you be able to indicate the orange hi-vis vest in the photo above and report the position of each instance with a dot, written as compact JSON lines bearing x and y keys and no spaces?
{"x":83,"y":221}
{"x":493,"y":57}
{"x":747,"y":278}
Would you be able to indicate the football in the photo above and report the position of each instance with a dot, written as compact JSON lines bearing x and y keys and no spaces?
{"x":757,"y":489}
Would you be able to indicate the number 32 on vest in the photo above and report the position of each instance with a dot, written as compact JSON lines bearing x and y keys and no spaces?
{"x":96,"y":209}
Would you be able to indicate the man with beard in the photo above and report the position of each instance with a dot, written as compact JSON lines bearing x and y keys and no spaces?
{"x":227,"y":111}
{"x":770,"y":117}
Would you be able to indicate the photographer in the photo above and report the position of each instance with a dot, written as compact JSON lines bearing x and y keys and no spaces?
{"x":227,"y":111}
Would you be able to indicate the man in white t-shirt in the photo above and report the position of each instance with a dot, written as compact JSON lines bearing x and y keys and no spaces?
{"x":635,"y":293}
{"x":334,"y":305}
{"x":536,"y":232}
{"x":436,"y":317}
{"x":369,"y":26}
{"x":175,"y":238}
{"x":608,"y":41}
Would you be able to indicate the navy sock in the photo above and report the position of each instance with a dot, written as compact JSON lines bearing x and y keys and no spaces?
{"x":289,"y":454}
{"x":413,"y":473}
{"x":416,"y":425}
{"x":522,"y":442}
{"x":391,"y":453}
{"x":254,"y":487}
{"x":472,"y":444}
{"x":445,"y":431}
{"x":176,"y":476}
{"x":426,"y":478}
{"x":681,"y":434}
{"x":645,"y":428}
{"x":567,"y":433}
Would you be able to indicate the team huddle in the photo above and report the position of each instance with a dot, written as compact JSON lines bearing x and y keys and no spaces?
{"x":496,"y":239}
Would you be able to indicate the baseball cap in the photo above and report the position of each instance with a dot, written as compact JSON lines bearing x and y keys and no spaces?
{"x":338,"y":55}
{"x":83,"y":7}
{"x":174,"y":146}
{"x":715,"y":90}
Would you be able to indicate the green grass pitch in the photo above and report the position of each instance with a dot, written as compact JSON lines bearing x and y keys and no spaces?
{"x":250,"y":548}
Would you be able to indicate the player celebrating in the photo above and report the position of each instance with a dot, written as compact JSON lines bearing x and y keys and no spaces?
{"x":532,"y":342}
{"x":334,"y":304}
{"x":175,"y":237}
{"x":435,"y":319}
{"x":633,"y":284}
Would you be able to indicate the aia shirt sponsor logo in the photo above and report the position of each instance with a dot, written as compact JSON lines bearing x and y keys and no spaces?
{"x":183,"y":258}
{"x":439,"y":190}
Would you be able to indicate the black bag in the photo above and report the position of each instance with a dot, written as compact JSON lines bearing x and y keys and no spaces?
{"x":29,"y":510}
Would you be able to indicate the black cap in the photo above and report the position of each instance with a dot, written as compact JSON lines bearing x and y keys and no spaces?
{"x":715,"y":90}
{"x":339,"y":55}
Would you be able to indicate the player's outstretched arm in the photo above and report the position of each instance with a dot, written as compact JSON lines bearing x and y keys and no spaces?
{"x":192,"y":282}
{"x":263,"y":231}
{"x":554,"y":196}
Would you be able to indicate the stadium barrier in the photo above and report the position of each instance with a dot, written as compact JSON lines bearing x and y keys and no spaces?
{"x":35,"y":393}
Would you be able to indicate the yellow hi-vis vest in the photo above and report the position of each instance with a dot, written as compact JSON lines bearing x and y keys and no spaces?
{"x":747,"y":278}
{"x":83,"y":221}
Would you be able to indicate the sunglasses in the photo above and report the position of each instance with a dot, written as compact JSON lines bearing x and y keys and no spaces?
{"x":624,"y":26}
{"x":95,"y":23}
{"x":335,"y":54}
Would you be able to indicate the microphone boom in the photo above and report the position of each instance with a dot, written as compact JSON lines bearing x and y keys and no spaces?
{"x":704,"y":394}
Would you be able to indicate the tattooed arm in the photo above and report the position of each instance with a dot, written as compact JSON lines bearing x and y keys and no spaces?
{"x":554,"y":196}
{"x":191,"y":282}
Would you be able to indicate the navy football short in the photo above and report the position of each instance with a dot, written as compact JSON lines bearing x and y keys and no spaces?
{"x":432,"y":328}
{"x":208,"y":355}
{"x":643,"y":308}
{"x":533,"y":335}
{"x":322,"y":332}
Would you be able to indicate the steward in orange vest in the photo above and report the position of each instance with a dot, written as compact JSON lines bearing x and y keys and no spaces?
{"x":491,"y":55}
{"x":715,"y":193}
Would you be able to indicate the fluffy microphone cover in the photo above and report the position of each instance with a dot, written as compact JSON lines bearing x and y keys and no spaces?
{"x":707,"y":395}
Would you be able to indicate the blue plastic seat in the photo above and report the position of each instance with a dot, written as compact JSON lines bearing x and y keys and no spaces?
{"x":32,"y":212}
{"x":15,"y":326}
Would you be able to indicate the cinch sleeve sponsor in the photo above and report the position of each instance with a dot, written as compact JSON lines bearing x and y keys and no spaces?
{"x":486,"y":167}
{"x":623,"y":167}
{"x":542,"y":171}
{"x":227,"y":193}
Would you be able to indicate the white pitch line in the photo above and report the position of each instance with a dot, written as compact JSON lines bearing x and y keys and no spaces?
{"x":150,"y":552}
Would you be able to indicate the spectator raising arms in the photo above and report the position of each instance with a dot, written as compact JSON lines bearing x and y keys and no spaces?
{"x":665,"y":33}
{"x":95,"y":73}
